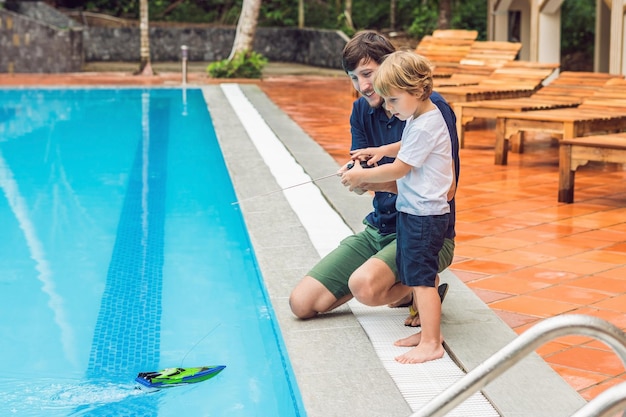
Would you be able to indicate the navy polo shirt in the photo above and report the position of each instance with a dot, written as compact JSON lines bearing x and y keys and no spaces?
{"x":370,"y":127}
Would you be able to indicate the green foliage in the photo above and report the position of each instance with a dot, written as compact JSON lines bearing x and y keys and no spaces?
{"x":466,"y":14}
{"x":342,"y":24}
{"x":578,"y":19}
{"x":247,"y":64}
{"x":274,"y":13}
{"x":126,"y":9}
{"x":424,"y":21}
{"x":471,"y":15}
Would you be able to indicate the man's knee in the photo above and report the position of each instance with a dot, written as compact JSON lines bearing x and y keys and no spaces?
{"x":309,"y":298}
{"x":371,"y":282}
{"x":365,"y":286}
{"x":299,"y":307}
{"x":361,"y":287}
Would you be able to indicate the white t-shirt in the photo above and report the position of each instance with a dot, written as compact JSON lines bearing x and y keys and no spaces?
{"x":426,"y":147}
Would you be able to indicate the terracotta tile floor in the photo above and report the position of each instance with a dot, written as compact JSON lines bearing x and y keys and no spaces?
{"x":527,"y":256}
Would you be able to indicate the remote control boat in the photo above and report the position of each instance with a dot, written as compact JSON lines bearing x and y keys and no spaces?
{"x":172,"y":377}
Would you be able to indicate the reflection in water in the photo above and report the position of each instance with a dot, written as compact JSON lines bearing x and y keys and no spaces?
{"x":31,"y":110}
{"x":18,"y":206}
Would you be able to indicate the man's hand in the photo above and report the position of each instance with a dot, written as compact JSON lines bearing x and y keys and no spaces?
{"x":368,"y":155}
{"x":389,"y":187}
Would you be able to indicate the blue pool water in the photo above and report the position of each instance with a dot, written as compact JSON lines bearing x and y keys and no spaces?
{"x":121,"y":252}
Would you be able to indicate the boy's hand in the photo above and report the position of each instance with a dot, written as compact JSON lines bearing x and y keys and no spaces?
{"x":351,"y":177}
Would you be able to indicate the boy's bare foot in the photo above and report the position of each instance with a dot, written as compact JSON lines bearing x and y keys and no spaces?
{"x":422,"y":353}
{"x":411,"y":341}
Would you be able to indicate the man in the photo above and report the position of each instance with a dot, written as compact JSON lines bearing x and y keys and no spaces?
{"x":364,"y":264}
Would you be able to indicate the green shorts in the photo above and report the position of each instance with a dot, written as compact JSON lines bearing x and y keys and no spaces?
{"x":335,"y":269}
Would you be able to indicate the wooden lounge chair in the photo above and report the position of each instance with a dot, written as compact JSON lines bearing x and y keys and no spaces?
{"x":567,"y":90}
{"x":576,"y":152}
{"x":602,"y":112}
{"x":483,"y":58}
{"x":445,"y":49}
{"x":455,"y":34}
{"x":513,"y":79}
{"x":493,"y":53}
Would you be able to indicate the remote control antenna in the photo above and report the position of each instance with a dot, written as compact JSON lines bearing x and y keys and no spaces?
{"x":286,"y":188}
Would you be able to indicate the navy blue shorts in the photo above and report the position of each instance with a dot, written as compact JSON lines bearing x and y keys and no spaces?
{"x":420,"y":238}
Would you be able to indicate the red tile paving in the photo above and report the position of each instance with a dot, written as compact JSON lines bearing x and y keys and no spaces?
{"x":526,"y":255}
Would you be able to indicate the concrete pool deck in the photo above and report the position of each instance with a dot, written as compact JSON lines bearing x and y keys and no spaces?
{"x":337,"y":368}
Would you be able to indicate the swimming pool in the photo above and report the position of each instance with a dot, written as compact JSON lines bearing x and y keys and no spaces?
{"x":122,"y":252}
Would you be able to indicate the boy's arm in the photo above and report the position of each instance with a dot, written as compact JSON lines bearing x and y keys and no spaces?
{"x":357,"y":176}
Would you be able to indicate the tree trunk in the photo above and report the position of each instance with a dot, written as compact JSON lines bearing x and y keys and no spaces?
{"x":246,"y":27}
{"x":392,"y":15}
{"x":348,"y":14}
{"x":300,"y":14}
{"x":145,"y":68}
{"x":445,"y":11}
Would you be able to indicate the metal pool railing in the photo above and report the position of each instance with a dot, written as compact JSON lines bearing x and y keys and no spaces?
{"x":605,"y":405}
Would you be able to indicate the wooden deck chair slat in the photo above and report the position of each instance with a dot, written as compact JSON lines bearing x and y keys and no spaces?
{"x":569,"y":89}
{"x":604,"y":111}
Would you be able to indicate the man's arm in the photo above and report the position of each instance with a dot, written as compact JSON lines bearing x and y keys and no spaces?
{"x":374,"y":154}
{"x":389,"y":187}
{"x":452,"y":190}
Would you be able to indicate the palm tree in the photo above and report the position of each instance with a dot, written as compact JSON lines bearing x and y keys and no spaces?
{"x":246,"y":27}
{"x":445,"y":14}
{"x":347,"y":12}
{"x":144,"y":32}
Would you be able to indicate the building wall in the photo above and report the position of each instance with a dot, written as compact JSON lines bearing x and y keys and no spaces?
{"x":305,"y":46}
{"x":31,"y":46}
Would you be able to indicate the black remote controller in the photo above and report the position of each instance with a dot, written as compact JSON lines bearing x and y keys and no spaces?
{"x":363,"y":165}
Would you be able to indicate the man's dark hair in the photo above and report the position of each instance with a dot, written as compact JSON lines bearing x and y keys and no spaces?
{"x":365,"y":45}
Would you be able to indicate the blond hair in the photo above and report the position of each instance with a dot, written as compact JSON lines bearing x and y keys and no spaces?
{"x":407,"y":71}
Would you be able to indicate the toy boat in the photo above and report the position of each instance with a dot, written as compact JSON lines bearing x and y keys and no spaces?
{"x":172,"y":377}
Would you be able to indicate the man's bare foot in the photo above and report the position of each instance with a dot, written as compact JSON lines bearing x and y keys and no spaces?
{"x":413,"y":320}
{"x":411,"y":341}
{"x":422,"y":353}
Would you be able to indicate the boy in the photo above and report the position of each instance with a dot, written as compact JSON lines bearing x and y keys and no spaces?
{"x":424,"y":172}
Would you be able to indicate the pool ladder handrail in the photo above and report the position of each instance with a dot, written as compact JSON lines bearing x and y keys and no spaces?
{"x":610,"y":401}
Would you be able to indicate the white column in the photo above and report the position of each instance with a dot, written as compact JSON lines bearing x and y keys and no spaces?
{"x":616,"y":48}
{"x":549,"y":46}
{"x":534,"y":30}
